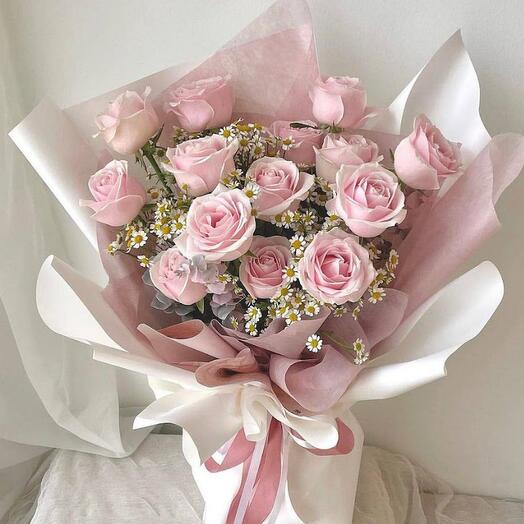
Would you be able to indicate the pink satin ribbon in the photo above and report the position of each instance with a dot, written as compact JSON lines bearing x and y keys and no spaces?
{"x":264,"y":491}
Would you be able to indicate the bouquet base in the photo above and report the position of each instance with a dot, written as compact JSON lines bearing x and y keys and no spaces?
{"x":313,"y":489}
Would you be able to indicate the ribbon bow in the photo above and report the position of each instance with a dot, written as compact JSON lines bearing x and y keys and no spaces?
{"x":264,"y":465}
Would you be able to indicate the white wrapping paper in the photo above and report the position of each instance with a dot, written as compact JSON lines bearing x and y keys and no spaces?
{"x":212,"y":416}
{"x":317,"y":489}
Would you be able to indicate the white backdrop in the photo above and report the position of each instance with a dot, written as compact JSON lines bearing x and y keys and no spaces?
{"x":466,"y":428}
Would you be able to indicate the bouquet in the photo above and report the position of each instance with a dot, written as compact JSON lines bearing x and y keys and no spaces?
{"x":276,"y":250}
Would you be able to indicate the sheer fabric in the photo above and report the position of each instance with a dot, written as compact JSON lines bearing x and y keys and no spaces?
{"x":52,"y":394}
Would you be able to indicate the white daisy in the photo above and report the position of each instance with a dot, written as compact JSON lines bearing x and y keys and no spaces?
{"x":258,"y":148}
{"x":373,"y":250}
{"x":229,"y":132}
{"x":361,"y":355}
{"x":154,"y":193}
{"x":244,"y":143}
{"x":138,"y":239}
{"x":281,"y":310}
{"x":113,"y":247}
{"x":357,"y":309}
{"x":288,"y":143}
{"x":297,"y":244}
{"x":309,"y":217}
{"x":178,"y":225}
{"x":311,"y":309}
{"x":290,"y":273}
{"x":339,"y":311}
{"x":323,"y":184}
{"x":291,"y":316}
{"x":284,"y":292}
{"x":163,"y":208}
{"x":298,"y":299}
{"x":288,"y":218}
{"x":392,"y":260}
{"x":252,"y":190}
{"x":380,"y":278}
{"x":163,"y":229}
{"x":144,"y":261}
{"x":253,"y":314}
{"x":235,"y":173}
{"x":314,"y":343}
{"x":376,"y":294}
{"x":277,"y":220}
{"x":251,"y":329}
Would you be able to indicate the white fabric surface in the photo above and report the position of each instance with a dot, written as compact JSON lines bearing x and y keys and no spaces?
{"x":52,"y":394}
{"x":155,"y":485}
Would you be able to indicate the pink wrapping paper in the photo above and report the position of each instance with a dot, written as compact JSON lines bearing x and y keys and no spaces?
{"x":459,"y":222}
{"x":268,"y":89}
{"x":271,"y":62}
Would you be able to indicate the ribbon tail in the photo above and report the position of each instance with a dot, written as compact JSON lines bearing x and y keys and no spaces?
{"x":234,"y":509}
{"x":268,"y":477}
{"x":239,"y":452}
{"x":264,"y":470}
{"x":282,"y":487}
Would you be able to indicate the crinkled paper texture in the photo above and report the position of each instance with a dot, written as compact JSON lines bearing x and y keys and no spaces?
{"x":58,"y":143}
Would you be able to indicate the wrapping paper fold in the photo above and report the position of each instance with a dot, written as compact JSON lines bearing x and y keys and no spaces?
{"x":421,"y":323}
{"x":414,"y":355}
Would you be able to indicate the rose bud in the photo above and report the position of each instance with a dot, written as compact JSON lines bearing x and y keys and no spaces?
{"x":170,"y":273}
{"x":339,"y":100}
{"x":129,"y":122}
{"x":425,"y":158}
{"x":353,"y":150}
{"x":335,"y":268}
{"x":118,"y":197}
{"x":368,"y":199}
{"x":200,"y":164}
{"x":204,"y":104}
{"x":305,"y":139}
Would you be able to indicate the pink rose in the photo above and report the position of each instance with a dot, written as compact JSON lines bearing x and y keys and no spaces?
{"x":281,"y":185}
{"x":338,"y":100}
{"x":261,"y":274}
{"x":219,"y":227}
{"x":305,"y":139}
{"x":368,"y":198}
{"x":425,"y":157}
{"x":204,"y":104}
{"x":170,"y":274}
{"x":337,"y":150}
{"x":118,"y":197}
{"x":201,"y":163}
{"x":335,"y":268}
{"x":129,"y":122}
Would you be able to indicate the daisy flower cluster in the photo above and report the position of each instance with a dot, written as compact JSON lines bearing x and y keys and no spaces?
{"x":253,"y":224}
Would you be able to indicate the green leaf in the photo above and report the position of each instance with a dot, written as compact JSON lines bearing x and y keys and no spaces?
{"x":300,"y":125}
{"x":200,"y":306}
{"x":391,"y":155}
